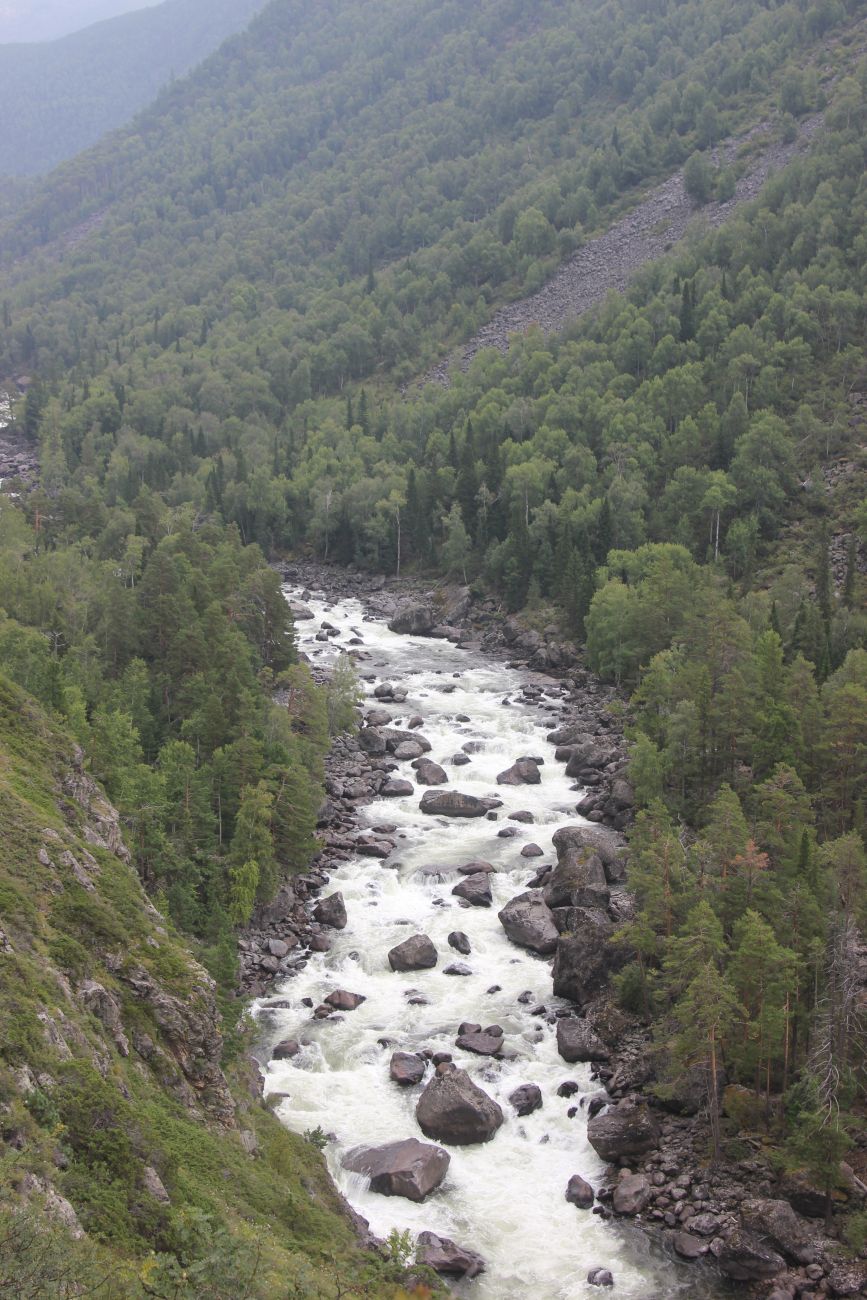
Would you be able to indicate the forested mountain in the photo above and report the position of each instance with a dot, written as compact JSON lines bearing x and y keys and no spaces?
{"x":219,"y":317}
{"x":46,"y":20}
{"x":58,"y":97}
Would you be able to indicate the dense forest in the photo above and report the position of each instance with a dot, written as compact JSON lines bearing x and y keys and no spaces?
{"x":58,"y":97}
{"x":218,"y":317}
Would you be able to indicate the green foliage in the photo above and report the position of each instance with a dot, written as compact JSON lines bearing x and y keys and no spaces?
{"x":344,"y":696}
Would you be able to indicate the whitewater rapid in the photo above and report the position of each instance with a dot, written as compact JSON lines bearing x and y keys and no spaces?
{"x":504,"y":1199}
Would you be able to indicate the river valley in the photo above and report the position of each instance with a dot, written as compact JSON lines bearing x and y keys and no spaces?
{"x":504,"y":1199}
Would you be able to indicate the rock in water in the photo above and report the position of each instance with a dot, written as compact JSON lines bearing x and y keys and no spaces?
{"x":600,"y":1277}
{"x":450,"y":803}
{"x":529,"y":922}
{"x":413,"y":620}
{"x":410,"y":1168}
{"x":579,"y":1192}
{"x":407,"y":1069}
{"x":481,"y":1044}
{"x":524,"y":772}
{"x":429,"y":773}
{"x":475,"y":889}
{"x":416,"y":953}
{"x":453,"y":1109}
{"x":342,"y":1000}
{"x":526,"y":1099}
{"x":286,"y":1050}
{"x":331,"y":911}
{"x":627,"y":1132}
{"x":394,"y":788}
{"x":577,"y":1041}
{"x":459,"y":941}
{"x":443,"y":1256}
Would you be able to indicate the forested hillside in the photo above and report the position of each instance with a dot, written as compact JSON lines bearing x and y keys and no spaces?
{"x":218,"y":317}
{"x":46,"y":20}
{"x":58,"y":97}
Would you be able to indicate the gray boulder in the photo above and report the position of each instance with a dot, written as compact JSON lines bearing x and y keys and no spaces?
{"x":408,"y":749}
{"x":415,"y":953}
{"x":579,"y":1192}
{"x":414,"y":620}
{"x":600,"y":1277}
{"x":585,"y":956}
{"x":429,"y":773}
{"x":632,"y":1194}
{"x":285,"y":1050}
{"x":451,"y":803}
{"x":746,"y":1257}
{"x":777,"y":1223}
{"x":577,"y":1041}
{"x":394,"y":788}
{"x":578,"y":880}
{"x":406,"y":1068}
{"x":331,"y":911}
{"x":372,"y":741}
{"x":410,"y":1168}
{"x":443,"y":1256}
{"x":453,"y":1109}
{"x":529,"y":923}
{"x":459,"y":941}
{"x":475,"y":889}
{"x":524,"y":772}
{"x":627,"y":1132}
{"x":526,"y":1099}
{"x":609,"y":847}
{"x":480,"y":1044}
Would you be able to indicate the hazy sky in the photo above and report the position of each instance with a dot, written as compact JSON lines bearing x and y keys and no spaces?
{"x":42,"y":20}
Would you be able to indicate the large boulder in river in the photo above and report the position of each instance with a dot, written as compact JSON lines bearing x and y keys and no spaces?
{"x":415,"y":953}
{"x":626,"y":1132}
{"x":443,"y":1256}
{"x":529,"y":922}
{"x":396,"y":739}
{"x":585,"y":956}
{"x":429,"y":773}
{"x":395,"y":788}
{"x":572,"y":843}
{"x":475,"y":889}
{"x":578,"y":880}
{"x":451,"y":803}
{"x":410,"y":1168}
{"x":524,"y":772}
{"x":453,"y":1109}
{"x":331,"y":911}
{"x":579,"y":1192}
{"x":578,"y":1041}
{"x":414,"y":620}
{"x":406,"y":1068}
{"x":590,"y":754}
{"x":526,"y":1098}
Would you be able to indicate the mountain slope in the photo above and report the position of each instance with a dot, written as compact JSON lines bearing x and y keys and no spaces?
{"x":46,"y":20}
{"x":59,"y":97}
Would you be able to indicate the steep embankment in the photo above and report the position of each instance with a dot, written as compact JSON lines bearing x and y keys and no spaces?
{"x":122,"y":1133}
{"x":608,"y":262}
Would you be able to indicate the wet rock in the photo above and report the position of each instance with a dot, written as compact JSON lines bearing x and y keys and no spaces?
{"x":526,"y":818}
{"x":408,"y":749}
{"x":600,"y":1277}
{"x":396,"y":789}
{"x":451,"y":803}
{"x":458,"y":968}
{"x":414,"y":620}
{"x":632,"y":1194}
{"x":286,"y":1050}
{"x":415,"y":953}
{"x":481,"y":1044}
{"x":410,"y":1168}
{"x":529,"y":923}
{"x":372,"y":742}
{"x":415,"y":722}
{"x":341,"y":1000}
{"x":331,"y":911}
{"x":777,"y":1222}
{"x":429,"y":773}
{"x":524,"y":772}
{"x":474,"y":867}
{"x":746,"y":1257}
{"x":475,"y":889}
{"x":578,"y":1041}
{"x":300,"y":612}
{"x":443,"y":1256}
{"x":628,"y":1132}
{"x":579,"y":1192}
{"x":688,"y":1246}
{"x":378,"y":718}
{"x":453,"y":1109}
{"x":406,"y":1069}
{"x":459,"y":941}
{"x":585,"y":957}
{"x":460,"y":760}
{"x":526,"y":1098}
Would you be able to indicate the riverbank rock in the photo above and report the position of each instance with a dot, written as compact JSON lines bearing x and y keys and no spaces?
{"x":627,"y":1132}
{"x":527,"y":1098}
{"x":777,"y":1222}
{"x":443,"y":1256}
{"x":578,"y":1041}
{"x":573,"y":842}
{"x":579,"y":1192}
{"x":524,"y":772}
{"x":585,"y":958}
{"x":286,"y":1050}
{"x":578,"y":880}
{"x":746,"y":1257}
{"x":415,"y":953}
{"x":410,"y":1168}
{"x":407,"y":1069}
{"x":529,"y":923}
{"x":372,"y":742}
{"x":450,"y":803}
{"x":414,"y":620}
{"x":429,"y":773}
{"x":331,"y":911}
{"x":475,"y":889}
{"x":394,"y":788}
{"x":453,"y":1109}
{"x":631,"y":1195}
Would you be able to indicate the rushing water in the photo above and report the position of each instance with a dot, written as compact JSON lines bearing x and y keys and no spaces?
{"x":504,"y":1199}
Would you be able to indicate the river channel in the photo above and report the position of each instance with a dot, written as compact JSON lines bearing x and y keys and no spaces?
{"x":504,"y":1199}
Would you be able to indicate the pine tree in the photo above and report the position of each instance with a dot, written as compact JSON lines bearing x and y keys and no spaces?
{"x":707,"y":1017}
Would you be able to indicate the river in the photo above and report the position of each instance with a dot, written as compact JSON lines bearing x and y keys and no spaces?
{"x":504,"y":1199}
